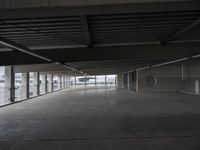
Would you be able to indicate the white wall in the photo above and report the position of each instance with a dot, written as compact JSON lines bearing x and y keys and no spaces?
{"x":168,"y":79}
{"x":191,"y":74}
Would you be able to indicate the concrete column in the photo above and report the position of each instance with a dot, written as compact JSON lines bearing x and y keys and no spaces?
{"x":36,"y":84}
{"x":75,"y":81}
{"x":25,"y":85}
{"x":44,"y":83}
{"x":10,"y":83}
{"x":105,"y":80}
{"x":130,"y":81}
{"x":69,"y":81}
{"x":66,"y":81}
{"x":137,"y":80}
{"x":95,"y":80}
{"x":60,"y":81}
{"x":119,"y":81}
{"x":50,"y":82}
{"x":197,"y":87}
{"x":125,"y":80}
{"x":85,"y":81}
{"x":63,"y":81}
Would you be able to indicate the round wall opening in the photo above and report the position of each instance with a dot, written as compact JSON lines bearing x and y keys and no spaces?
{"x":151,"y":81}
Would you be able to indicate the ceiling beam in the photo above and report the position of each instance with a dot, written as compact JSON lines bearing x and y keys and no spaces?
{"x":135,"y":52}
{"x":42,"y":32}
{"x":140,"y":53}
{"x":171,"y":6}
{"x":87,"y":31}
{"x":181,"y":32}
{"x":15,"y":46}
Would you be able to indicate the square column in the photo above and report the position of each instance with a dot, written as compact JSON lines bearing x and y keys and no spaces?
{"x":119,"y":81}
{"x":197,"y":87}
{"x":50,"y":82}
{"x":105,"y":80}
{"x":130,"y":81}
{"x":43,"y":87}
{"x":125,"y":80}
{"x":36,"y":84}
{"x":60,"y":82}
{"x":75,"y":81}
{"x":95,"y":81}
{"x":25,"y":85}
{"x":66,"y":81}
{"x":63,"y":81}
{"x":85,"y":81}
{"x":10,"y":83}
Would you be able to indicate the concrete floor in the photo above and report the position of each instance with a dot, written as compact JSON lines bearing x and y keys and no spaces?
{"x":102,"y":119}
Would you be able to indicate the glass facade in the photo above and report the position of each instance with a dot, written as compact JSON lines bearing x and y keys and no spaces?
{"x":80,"y":81}
{"x":20,"y":87}
{"x":49,"y":82}
{"x":56,"y":83}
{"x":111,"y":80}
{"x":101,"y":80}
{"x":42,"y":83}
{"x":32,"y":84}
{"x":4,"y":89}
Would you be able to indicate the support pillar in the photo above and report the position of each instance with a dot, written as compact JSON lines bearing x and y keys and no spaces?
{"x":36,"y":84}
{"x":197,"y":87}
{"x":10,"y":83}
{"x":95,"y":80}
{"x":44,"y":83}
{"x":125,"y":80}
{"x":63,"y":81}
{"x":75,"y":81}
{"x":25,"y":85}
{"x":85,"y":80}
{"x":67,"y":81}
{"x":105,"y":80}
{"x":137,"y":80}
{"x":119,"y":81}
{"x":60,"y":81}
{"x":130,"y":81}
{"x":50,"y":82}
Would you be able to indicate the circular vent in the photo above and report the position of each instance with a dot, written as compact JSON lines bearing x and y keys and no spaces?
{"x":151,"y":81}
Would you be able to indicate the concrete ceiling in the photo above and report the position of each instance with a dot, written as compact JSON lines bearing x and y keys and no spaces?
{"x":118,"y":38}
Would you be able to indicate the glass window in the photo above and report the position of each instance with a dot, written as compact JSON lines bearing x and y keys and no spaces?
{"x":49,"y":83}
{"x":31,"y":85}
{"x":90,"y":80}
{"x":42,"y":83}
{"x":20,"y":85}
{"x":56,"y":83}
{"x":100,"y":80}
{"x":80,"y":81}
{"x":4,"y":89}
{"x":110,"y":80}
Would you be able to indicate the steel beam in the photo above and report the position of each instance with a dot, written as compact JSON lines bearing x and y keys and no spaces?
{"x":86,"y":30}
{"x":181,"y":32}
{"x":43,"y":32}
{"x":21,"y":48}
{"x":172,"y":6}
